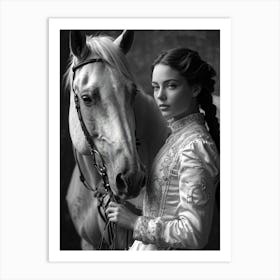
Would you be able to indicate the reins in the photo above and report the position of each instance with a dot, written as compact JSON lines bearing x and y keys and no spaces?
{"x":104,"y":195}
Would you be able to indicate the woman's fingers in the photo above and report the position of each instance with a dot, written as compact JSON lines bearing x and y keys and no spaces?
{"x":112,"y":217}
{"x":114,"y":204}
{"x":118,"y":213}
{"x":113,"y":207}
{"x":111,"y":210}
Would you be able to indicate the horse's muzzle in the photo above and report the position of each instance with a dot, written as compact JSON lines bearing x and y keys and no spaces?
{"x":129,"y":186}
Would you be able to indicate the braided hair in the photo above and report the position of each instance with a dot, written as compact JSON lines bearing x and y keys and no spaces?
{"x":197,"y":72}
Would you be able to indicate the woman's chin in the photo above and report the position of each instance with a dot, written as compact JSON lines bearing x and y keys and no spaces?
{"x":166,"y":115}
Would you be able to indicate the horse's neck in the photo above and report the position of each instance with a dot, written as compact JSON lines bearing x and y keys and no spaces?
{"x":89,"y":171}
{"x":151,"y":128}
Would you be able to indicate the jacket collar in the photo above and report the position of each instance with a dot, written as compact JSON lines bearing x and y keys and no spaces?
{"x":177,"y":124}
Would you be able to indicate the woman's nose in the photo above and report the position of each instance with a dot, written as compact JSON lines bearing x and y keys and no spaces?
{"x":161,"y":95}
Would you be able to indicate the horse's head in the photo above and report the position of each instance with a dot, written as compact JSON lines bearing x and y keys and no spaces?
{"x":105,"y":91}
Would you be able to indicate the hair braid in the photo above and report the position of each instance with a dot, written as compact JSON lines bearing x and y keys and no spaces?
{"x":205,"y":101}
{"x":204,"y":76}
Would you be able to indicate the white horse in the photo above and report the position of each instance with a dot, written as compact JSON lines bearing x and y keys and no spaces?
{"x":116,"y":131}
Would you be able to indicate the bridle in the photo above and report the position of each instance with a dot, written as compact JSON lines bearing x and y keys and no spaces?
{"x":104,"y":195}
{"x":101,"y":169}
{"x":100,"y":164}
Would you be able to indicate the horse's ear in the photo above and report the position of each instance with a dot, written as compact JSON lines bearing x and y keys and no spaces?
{"x":78,"y":43}
{"x":125,"y":40}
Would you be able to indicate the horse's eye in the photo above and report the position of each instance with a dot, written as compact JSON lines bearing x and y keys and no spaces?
{"x":91,"y":97}
{"x":87,"y":99}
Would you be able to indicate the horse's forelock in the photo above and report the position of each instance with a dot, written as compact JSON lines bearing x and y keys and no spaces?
{"x":102,"y":47}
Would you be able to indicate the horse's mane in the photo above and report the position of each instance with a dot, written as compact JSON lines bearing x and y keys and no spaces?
{"x":103,"y":47}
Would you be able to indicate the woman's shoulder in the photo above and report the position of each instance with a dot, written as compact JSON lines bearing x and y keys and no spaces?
{"x":199,"y":149}
{"x":197,"y":134}
{"x":199,"y":144}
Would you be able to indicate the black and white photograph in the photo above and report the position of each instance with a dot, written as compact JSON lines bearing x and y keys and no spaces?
{"x":142,"y":168}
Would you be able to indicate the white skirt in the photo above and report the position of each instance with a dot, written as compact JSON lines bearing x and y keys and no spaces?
{"x":140,"y":246}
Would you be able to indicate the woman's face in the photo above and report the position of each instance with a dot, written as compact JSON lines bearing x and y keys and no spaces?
{"x":172,"y":92}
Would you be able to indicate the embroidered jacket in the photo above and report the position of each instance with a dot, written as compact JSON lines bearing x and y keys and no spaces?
{"x":179,"y":197}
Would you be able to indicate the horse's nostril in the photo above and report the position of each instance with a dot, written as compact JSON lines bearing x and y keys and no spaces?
{"x":121,"y":185}
{"x":143,"y":183}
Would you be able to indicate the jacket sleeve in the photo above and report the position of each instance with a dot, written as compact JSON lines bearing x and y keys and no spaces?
{"x":189,"y":229}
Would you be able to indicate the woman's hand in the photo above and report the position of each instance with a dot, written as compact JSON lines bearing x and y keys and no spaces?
{"x":119,"y":214}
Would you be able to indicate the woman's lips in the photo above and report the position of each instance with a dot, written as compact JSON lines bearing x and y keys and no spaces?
{"x":163,"y":107}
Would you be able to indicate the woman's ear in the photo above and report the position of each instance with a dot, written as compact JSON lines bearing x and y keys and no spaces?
{"x":78,"y":43}
{"x":196,"y":89}
{"x":125,"y":40}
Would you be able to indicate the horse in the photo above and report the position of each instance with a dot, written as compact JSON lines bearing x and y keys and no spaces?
{"x":116,"y":130}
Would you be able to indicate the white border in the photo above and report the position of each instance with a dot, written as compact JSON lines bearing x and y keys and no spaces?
{"x":55,"y":25}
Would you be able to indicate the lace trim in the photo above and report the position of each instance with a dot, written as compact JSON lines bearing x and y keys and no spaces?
{"x":145,"y":229}
{"x":155,"y":196}
{"x":148,"y":230}
{"x":176,"y":125}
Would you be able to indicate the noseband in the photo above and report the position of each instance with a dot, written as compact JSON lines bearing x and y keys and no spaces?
{"x":106,"y":195}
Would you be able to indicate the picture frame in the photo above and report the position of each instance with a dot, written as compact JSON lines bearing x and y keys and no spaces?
{"x":24,"y":140}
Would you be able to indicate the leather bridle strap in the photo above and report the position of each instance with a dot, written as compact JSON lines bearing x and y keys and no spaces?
{"x":77,"y":103}
{"x":102,"y":170}
{"x":83,"y":63}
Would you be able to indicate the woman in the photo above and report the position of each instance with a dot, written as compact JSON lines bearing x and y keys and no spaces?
{"x":180,"y":193}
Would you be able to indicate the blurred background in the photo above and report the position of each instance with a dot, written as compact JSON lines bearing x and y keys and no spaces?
{"x":147,"y":44}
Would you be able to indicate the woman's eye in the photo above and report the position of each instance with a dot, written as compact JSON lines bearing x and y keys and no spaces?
{"x":171,"y":86}
{"x":155,"y":88}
